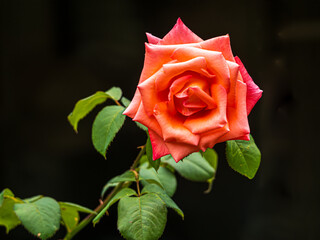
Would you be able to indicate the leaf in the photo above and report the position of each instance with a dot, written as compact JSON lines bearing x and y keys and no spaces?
{"x":142,"y":218}
{"x":243,"y":156}
{"x":77,"y":207}
{"x":164,"y":178}
{"x":212,"y":157}
{"x":106,"y":187}
{"x":115,"y":93}
{"x":70,"y":217}
{"x":143,"y":159}
{"x":106,"y":125}
{"x":32,"y":199}
{"x":168,"y":180}
{"x":8,"y":218}
{"x":84,"y":106}
{"x":41,"y":218}
{"x":149,"y":175}
{"x":126,"y":102}
{"x":127,"y":176}
{"x":70,"y":214}
{"x":193,"y":167}
{"x":153,"y":163}
{"x":153,"y":188}
{"x":122,"y":193}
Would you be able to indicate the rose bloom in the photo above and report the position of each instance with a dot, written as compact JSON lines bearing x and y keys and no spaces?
{"x":192,"y":93}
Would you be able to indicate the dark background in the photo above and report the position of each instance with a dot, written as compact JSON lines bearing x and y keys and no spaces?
{"x":54,"y":53}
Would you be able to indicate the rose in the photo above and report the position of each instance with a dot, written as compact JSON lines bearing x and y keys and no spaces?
{"x":192,"y":93}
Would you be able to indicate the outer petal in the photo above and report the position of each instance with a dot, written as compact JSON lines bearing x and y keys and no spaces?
{"x":180,"y":150}
{"x":149,"y":95}
{"x":215,"y":62}
{"x":172,"y":126}
{"x":155,"y":57}
{"x":254,"y":93}
{"x":149,"y":121}
{"x":152,"y":39}
{"x":220,"y":44}
{"x":209,"y":139}
{"x":159,"y":148}
{"x":237,"y":117}
{"x":211,"y":119}
{"x":180,"y":34}
{"x":234,"y":76}
{"x":134,"y":105}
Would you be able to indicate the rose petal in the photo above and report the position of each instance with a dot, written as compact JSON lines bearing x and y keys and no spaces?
{"x":237,"y":117}
{"x":149,"y":121}
{"x":171,"y":70}
{"x":234,"y":76}
{"x":155,"y":57}
{"x":149,"y":95}
{"x":159,"y":148}
{"x":219,"y":44}
{"x":179,"y":150}
{"x":152,"y":39}
{"x":215,"y":62}
{"x":180,"y":34}
{"x":202,"y":95}
{"x":172,"y":126}
{"x":209,"y":139}
{"x":178,"y":84}
{"x":210,"y":119}
{"x":134,"y":105}
{"x":254,"y":93}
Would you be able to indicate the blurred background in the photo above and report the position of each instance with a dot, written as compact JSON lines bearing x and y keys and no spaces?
{"x":54,"y":53}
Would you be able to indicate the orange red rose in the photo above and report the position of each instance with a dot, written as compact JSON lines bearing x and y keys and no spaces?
{"x":192,"y":93}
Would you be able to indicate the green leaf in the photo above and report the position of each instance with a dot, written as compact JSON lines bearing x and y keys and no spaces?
{"x":70,"y":217}
{"x":243,"y":156}
{"x":126,"y":102}
{"x":115,"y":93}
{"x":212,"y":157}
{"x":142,"y":218}
{"x":70,"y":214}
{"x":106,"y":125}
{"x":41,"y":218}
{"x":143,"y":159}
{"x":32,"y":199}
{"x":168,"y":180}
{"x":8,"y":218}
{"x":149,"y":175}
{"x":153,"y":163}
{"x":193,"y":167}
{"x":122,"y":193}
{"x":153,"y":188}
{"x":84,"y":106}
{"x":164,"y":178}
{"x":127,"y":176}
{"x":106,"y":187}
{"x":76,"y":207}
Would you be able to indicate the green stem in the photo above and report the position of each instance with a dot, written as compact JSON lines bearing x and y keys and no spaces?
{"x":91,"y":216}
